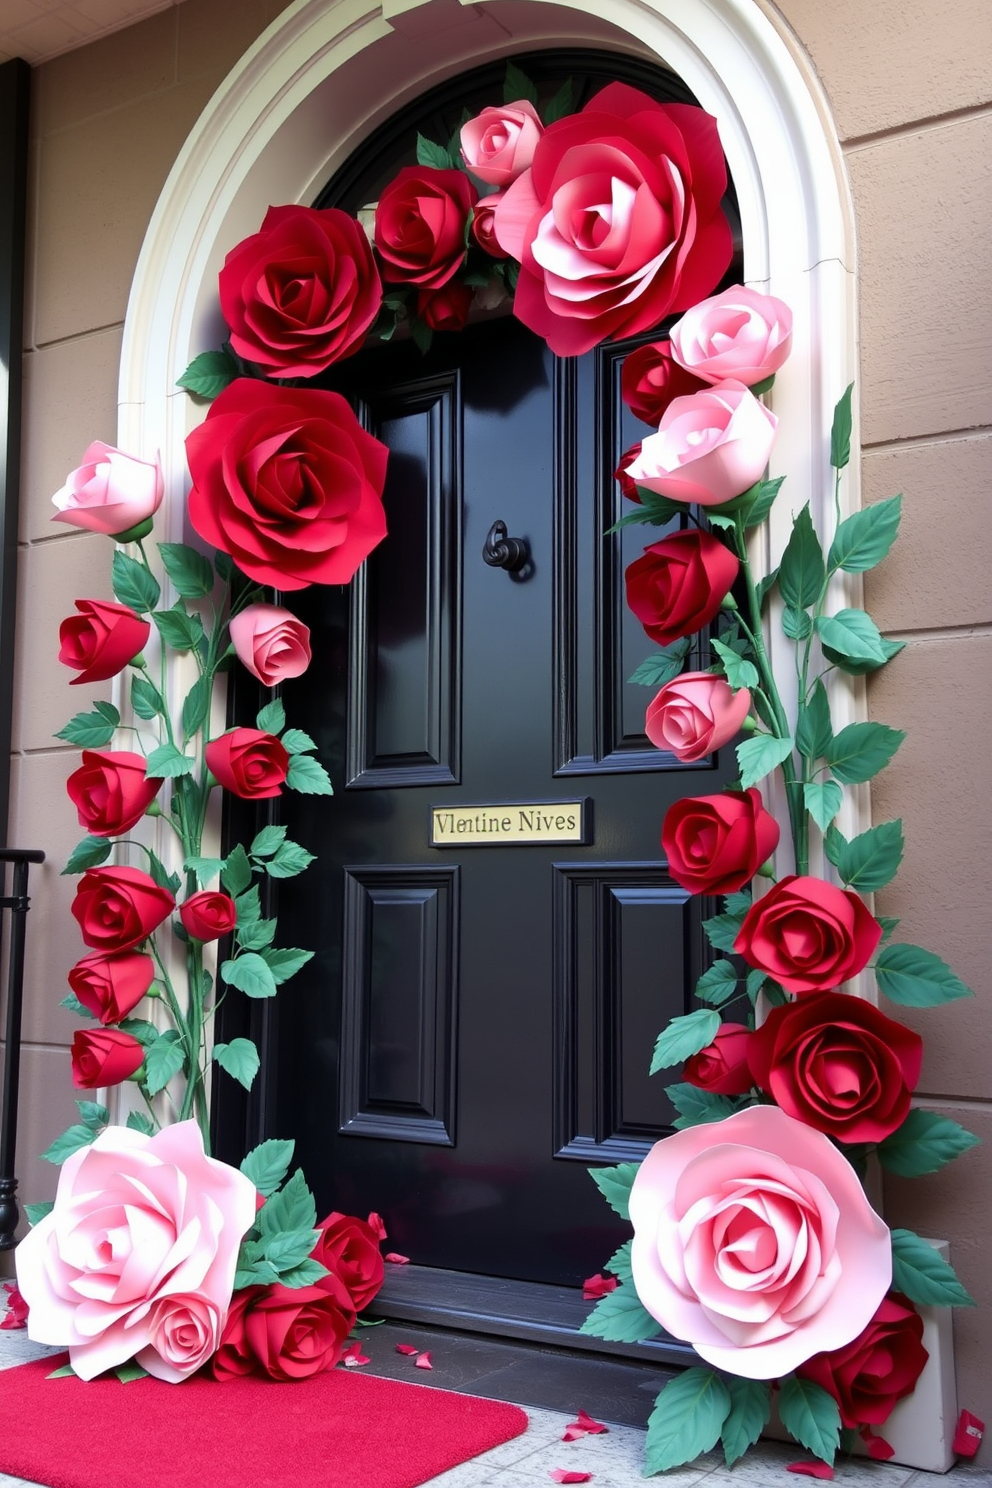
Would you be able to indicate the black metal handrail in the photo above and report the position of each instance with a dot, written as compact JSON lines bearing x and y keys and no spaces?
{"x":18,"y":903}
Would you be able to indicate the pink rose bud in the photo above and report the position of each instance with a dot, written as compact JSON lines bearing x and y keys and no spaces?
{"x":110,"y":492}
{"x":695,"y":714}
{"x":271,"y":643}
{"x":498,"y":145}
{"x":738,"y":334}
{"x":482,"y":224}
{"x":709,"y":448}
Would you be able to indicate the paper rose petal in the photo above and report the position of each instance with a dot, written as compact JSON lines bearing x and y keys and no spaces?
{"x":879,"y":1450}
{"x":595,"y":1287}
{"x":423,"y":1362}
{"x":353,"y":1358}
{"x":584,"y":1425}
{"x":16,"y":1315}
{"x":395,"y":1259}
{"x":406,"y":1348}
{"x":811,"y":1469}
{"x":375,"y":1223}
{"x":562,"y":1475}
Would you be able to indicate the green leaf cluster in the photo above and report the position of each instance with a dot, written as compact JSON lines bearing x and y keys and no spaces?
{"x":924,"y":1143}
{"x":687,"y":1419}
{"x":664,"y":666}
{"x":615,"y":1185}
{"x":278,"y":1245}
{"x":699,"y":1107}
{"x":869,"y":861}
{"x":684,"y":1037}
{"x":921,"y":1273}
{"x":209,"y":374}
{"x":92,"y":1120}
{"x":913,"y":977}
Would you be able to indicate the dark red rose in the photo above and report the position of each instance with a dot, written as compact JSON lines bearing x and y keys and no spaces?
{"x":678,"y":585}
{"x":111,"y":791}
{"x":628,"y":487}
{"x":651,"y":378}
{"x":483,"y":223}
{"x":301,"y":293}
{"x":445,"y":309}
{"x":110,"y":987}
{"x":208,"y":915}
{"x":808,"y":935}
{"x":116,"y":908}
{"x":837,"y":1063}
{"x":618,"y":220}
{"x":288,"y":483}
{"x":350,"y":1249}
{"x":420,"y":225}
{"x":879,"y":1368}
{"x":104,"y":1056}
{"x":248,"y":763}
{"x":101,"y":640}
{"x":716,"y":844}
{"x":286,"y":1333}
{"x":722,"y":1066}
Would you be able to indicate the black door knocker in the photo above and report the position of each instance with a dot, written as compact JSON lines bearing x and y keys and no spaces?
{"x":511,"y":553}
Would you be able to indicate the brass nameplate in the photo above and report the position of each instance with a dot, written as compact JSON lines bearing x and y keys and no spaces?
{"x":516,"y":823}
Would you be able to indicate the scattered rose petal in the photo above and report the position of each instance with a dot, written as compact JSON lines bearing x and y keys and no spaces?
{"x":16,"y":1315}
{"x":353,"y":1358}
{"x":878,"y":1448}
{"x":595,"y":1287}
{"x":259,"y":1203}
{"x":968,"y":1435}
{"x":395,"y":1259}
{"x":562,"y":1475}
{"x":584,"y":1425}
{"x":424,"y":1362}
{"x":406,"y":1348}
{"x":811,"y":1469}
{"x":375,"y":1223}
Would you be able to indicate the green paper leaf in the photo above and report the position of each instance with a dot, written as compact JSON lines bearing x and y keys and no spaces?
{"x":864,"y":539}
{"x":923,"y":1144}
{"x":88,"y":730}
{"x":699,"y":1107}
{"x":204,"y":868}
{"x":295,"y":741}
{"x":209,"y":374}
{"x":192,"y":575}
{"x":764,"y":587}
{"x":851,"y":640}
{"x":913,"y":977}
{"x":260,"y":1274}
{"x":421,"y":333}
{"x":179,"y":631}
{"x":267,"y":841}
{"x":738,"y":903}
{"x":432,"y":154}
{"x":869,"y":861}
{"x":307,"y":1273}
{"x":717,"y":519}
{"x":69,"y":1142}
{"x":240,"y":1059}
{"x":923,"y":1275}
{"x":663,"y":666}
{"x":796,"y":624}
{"x":822,"y":800}
{"x":133,"y":584}
{"x":289,"y":860}
{"x":286,"y":963}
{"x":167,"y":761}
{"x":93,"y":1115}
{"x":684,"y":1037}
{"x":308,"y":777}
{"x":196,"y":706}
{"x":717,"y":985}
{"x":814,"y":734}
{"x":619,"y":1263}
{"x":840,"y":432}
{"x":250,"y":975}
{"x":132,"y":1370}
{"x":762,"y":504}
{"x":256,"y":935}
{"x":614,"y":1184}
{"x":236,"y":875}
{"x":272,"y":718}
{"x":289,"y":1248}
{"x":722,"y":930}
{"x":862,"y":749}
{"x":652,"y":511}
{"x":801,"y":572}
{"x":810,"y":1415}
{"x":750,"y":1409}
{"x":687,"y":1419}
{"x":224,"y":564}
{"x":89,"y":853}
{"x":754,"y":982}
{"x":759,"y":756}
{"x":109,"y":712}
{"x":739,"y":673}
{"x":146,"y":700}
{"x":138,"y":1121}
{"x":621,"y":1317}
{"x":164,"y":1059}
{"x":146,"y":1033}
{"x":36,"y":1212}
{"x":292,"y":1208}
{"x":64,"y":1371}
{"x":249,"y":907}
{"x":561,"y":104}
{"x":267,"y":1165}
{"x":517,"y":85}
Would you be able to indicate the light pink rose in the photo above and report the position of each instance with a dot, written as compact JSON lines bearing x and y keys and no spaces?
{"x":110,"y":492}
{"x":737,"y":334}
{"x":695,"y":714}
{"x":137,"y":1258}
{"x":709,"y":448}
{"x":498,"y":145}
{"x":754,"y":1242}
{"x":271,"y":642}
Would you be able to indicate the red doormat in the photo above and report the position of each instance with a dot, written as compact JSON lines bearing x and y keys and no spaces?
{"x":337,"y":1430}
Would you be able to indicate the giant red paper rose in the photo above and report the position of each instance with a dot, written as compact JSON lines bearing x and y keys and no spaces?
{"x":678,"y":584}
{"x":618,"y":221}
{"x":288,"y":483}
{"x":104,"y":1056}
{"x":808,"y":934}
{"x":421,"y":221}
{"x":350,"y":1248}
{"x":754,"y":1242}
{"x":111,"y":791}
{"x":716,"y":844}
{"x":110,"y":986}
{"x":101,"y":640}
{"x":870,"y":1375}
{"x":116,"y":908}
{"x":837,"y":1063}
{"x":288,"y":1333}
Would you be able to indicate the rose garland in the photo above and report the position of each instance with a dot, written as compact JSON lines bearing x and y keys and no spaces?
{"x":753,"y":1236}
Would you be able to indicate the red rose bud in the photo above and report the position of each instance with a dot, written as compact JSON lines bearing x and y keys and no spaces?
{"x":677,"y":585}
{"x":283,"y":1332}
{"x":111,"y":791}
{"x":808,"y":935}
{"x":208,"y":915}
{"x":628,"y":488}
{"x":716,"y":844}
{"x":350,"y":1249}
{"x":445,"y":309}
{"x":116,"y":908}
{"x":110,"y":987}
{"x":101,"y":640}
{"x":248,"y":763}
{"x":651,"y":378}
{"x":104,"y":1056}
{"x":722,"y":1066}
{"x":868,"y":1376}
{"x":838,"y":1064}
{"x":420,"y":225}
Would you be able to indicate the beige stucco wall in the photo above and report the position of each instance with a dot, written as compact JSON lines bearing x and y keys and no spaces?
{"x":909,"y":86}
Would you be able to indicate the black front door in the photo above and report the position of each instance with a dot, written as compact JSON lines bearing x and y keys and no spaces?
{"x":477,"y":1023}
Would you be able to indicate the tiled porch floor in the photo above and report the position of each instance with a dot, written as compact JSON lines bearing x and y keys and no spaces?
{"x":615,"y":1459}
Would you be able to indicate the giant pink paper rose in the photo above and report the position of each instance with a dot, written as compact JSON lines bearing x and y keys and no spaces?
{"x":618,"y":220}
{"x":754,"y":1242}
{"x":137,"y":1258}
{"x":737,"y":334}
{"x":498,"y":145}
{"x":709,"y":448}
{"x":111,"y":492}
